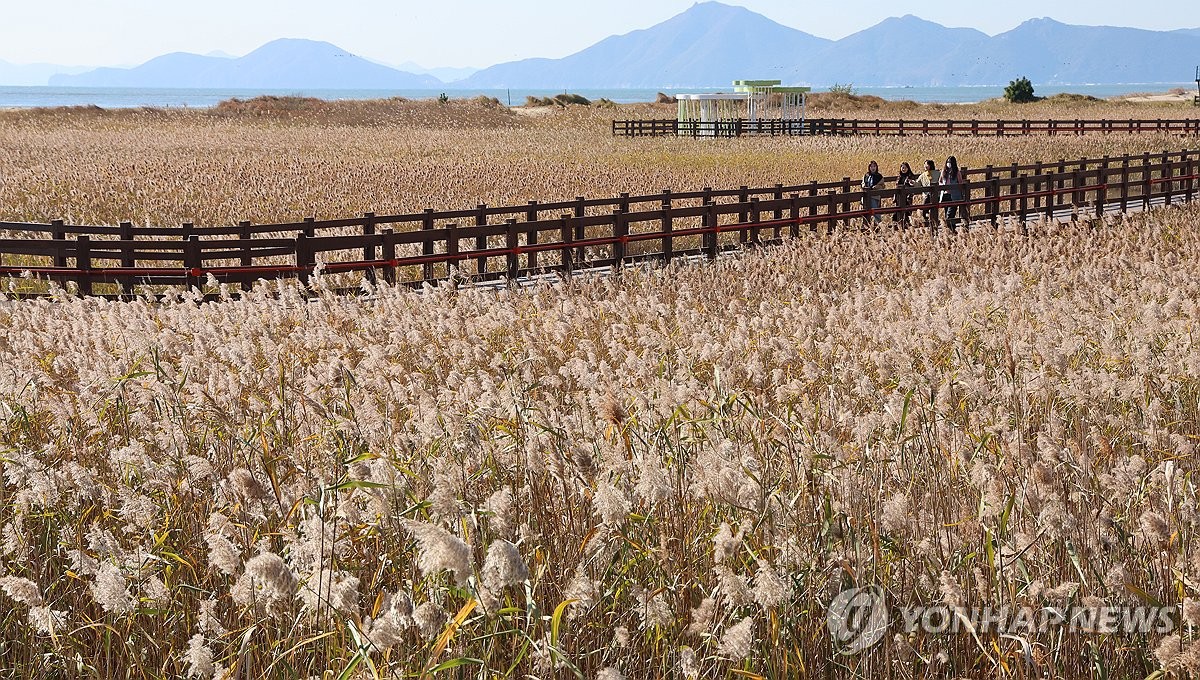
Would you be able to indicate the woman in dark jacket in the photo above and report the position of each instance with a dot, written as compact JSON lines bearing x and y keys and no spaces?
{"x":952,"y":191}
{"x":872,"y":182}
{"x":905,"y":179}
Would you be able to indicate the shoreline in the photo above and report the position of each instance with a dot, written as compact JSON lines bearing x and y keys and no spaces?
{"x":35,"y":97}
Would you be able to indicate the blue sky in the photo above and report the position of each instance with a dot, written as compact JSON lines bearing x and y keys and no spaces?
{"x":471,"y":32}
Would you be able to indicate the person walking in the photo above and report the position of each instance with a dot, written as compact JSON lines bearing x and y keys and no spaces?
{"x":872,"y":182}
{"x":904,"y":180}
{"x":952,"y":191}
{"x":928,"y":180}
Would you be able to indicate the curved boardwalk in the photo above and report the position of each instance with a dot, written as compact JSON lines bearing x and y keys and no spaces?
{"x":513,"y":242}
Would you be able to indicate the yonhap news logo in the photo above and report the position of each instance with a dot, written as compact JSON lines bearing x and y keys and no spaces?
{"x":859,"y":618}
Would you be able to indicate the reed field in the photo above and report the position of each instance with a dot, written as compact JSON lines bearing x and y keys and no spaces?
{"x":673,"y":472}
{"x":289,"y":161}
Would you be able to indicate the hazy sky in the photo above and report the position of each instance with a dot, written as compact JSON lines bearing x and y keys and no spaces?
{"x":470,"y":32}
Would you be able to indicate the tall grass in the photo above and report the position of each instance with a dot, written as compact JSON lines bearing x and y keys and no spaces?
{"x":249,"y":161}
{"x":669,"y":473}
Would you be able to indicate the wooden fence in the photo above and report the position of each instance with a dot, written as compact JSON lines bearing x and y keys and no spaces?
{"x":489,"y":243}
{"x":850,"y":127}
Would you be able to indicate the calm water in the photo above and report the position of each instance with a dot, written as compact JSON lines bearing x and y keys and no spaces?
{"x":116,"y":98}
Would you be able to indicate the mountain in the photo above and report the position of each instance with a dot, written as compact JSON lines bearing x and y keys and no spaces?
{"x":896,"y":51}
{"x":712,"y":44}
{"x":1048,"y":51}
{"x":280,"y":64}
{"x":33,"y":74}
{"x":709,"y":44}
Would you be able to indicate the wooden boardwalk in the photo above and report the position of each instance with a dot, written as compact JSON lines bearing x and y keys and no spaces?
{"x":842,"y":127}
{"x":488,"y":243}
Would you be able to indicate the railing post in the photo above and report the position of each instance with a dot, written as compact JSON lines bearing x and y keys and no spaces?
{"x":1060,"y":196}
{"x":846,"y":206}
{"x":57,"y":233}
{"x":1023,"y":203}
{"x":1190,"y":173}
{"x":452,"y":262}
{"x":1039,"y":175}
{"x":710,"y":223}
{"x":244,"y":237}
{"x":512,"y":243}
{"x":1077,"y":194}
{"x":389,"y":256}
{"x":302,"y":257}
{"x":620,"y":233}
{"x":668,"y":225}
{"x":580,"y":230}
{"x":794,"y":229}
{"x":1079,"y":180}
{"x":743,"y":215}
{"x":192,"y":262}
{"x":531,"y":235}
{"x":127,"y":261}
{"x":567,"y":236}
{"x":481,"y":242}
{"x":1147,"y":186}
{"x":831,"y":211}
{"x":83,"y":263}
{"x":813,"y":192}
{"x":991,"y":192}
{"x":936,"y":215}
{"x":427,"y":243}
{"x":1125,"y":185}
{"x":755,"y":216}
{"x":1168,"y":172}
{"x":368,"y":229}
{"x":778,"y":214}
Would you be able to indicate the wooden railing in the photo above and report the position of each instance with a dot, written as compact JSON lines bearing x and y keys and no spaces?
{"x":488,"y":243}
{"x":849,"y":127}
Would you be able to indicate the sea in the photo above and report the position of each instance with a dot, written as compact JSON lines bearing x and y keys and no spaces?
{"x":122,"y":98}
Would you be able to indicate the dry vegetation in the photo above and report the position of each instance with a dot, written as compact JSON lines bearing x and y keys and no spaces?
{"x":279,"y":162}
{"x":669,"y":473}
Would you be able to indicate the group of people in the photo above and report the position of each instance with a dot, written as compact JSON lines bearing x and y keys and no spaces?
{"x":949,"y":187}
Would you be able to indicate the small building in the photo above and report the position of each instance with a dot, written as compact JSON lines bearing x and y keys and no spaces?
{"x":724,"y":114}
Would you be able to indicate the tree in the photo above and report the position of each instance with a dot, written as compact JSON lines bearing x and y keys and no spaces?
{"x":1020,"y":91}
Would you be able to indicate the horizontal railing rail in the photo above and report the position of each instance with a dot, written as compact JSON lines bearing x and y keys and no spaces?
{"x":491,"y":243}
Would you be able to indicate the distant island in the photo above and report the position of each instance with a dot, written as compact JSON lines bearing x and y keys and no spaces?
{"x":709,"y":45}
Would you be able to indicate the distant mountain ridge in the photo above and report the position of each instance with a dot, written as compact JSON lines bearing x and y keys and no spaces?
{"x":33,"y":74}
{"x":284,"y":63}
{"x":707,"y":46}
{"x":711,"y":44}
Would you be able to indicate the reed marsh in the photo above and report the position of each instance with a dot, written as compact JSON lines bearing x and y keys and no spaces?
{"x":668,"y":473}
